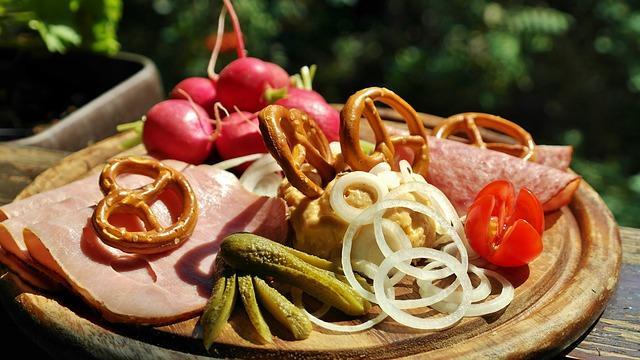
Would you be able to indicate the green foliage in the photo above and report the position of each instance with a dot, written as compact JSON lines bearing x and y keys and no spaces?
{"x":569,"y":72}
{"x":62,"y":24}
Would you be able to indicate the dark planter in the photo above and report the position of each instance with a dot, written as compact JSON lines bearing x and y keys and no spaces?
{"x":77,"y":98}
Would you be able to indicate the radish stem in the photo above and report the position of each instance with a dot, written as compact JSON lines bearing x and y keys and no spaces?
{"x":216,"y":109}
{"x":236,"y":29}
{"x":211,"y":68}
{"x":246,"y":119}
{"x":195,"y":110}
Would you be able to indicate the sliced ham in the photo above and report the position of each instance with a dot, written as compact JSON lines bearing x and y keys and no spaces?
{"x":11,"y":229}
{"x":162,"y":288}
{"x":83,"y":189}
{"x":41,"y":207}
{"x":32,"y":276}
{"x":460,"y":171}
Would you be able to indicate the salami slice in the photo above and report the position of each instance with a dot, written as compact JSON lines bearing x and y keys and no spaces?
{"x":460,"y":171}
{"x":555,"y":156}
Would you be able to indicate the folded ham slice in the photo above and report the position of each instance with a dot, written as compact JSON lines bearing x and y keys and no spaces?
{"x":460,"y":171}
{"x":84,"y":189}
{"x":34,"y":277}
{"x":161,"y":288}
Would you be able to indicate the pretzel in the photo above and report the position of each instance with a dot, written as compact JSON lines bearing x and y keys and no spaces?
{"x":293,"y":138}
{"x":362,"y":103}
{"x":469,"y":123}
{"x":157,"y":238}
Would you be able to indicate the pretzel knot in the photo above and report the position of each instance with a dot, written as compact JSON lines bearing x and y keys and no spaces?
{"x":297,"y":143}
{"x":362,"y":103}
{"x":469,"y":123}
{"x":157,"y":238}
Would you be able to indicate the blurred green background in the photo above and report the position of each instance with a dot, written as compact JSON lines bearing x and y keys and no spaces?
{"x":568,"y":72}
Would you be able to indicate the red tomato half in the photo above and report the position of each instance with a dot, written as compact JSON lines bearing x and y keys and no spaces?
{"x":503,"y":229}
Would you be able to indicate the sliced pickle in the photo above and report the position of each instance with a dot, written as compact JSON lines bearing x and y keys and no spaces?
{"x":283,"y":310}
{"x":218,"y":308}
{"x":248,"y":296}
{"x":259,"y":256}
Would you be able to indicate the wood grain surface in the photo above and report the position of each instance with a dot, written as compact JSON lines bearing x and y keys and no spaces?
{"x":616,"y":334}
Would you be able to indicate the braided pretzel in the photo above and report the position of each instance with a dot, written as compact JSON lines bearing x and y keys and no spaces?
{"x":157,"y":238}
{"x":469,"y":122}
{"x":362,"y":103}
{"x":293,"y":138}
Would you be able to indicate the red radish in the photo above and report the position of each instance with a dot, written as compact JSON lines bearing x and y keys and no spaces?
{"x":202,"y":90}
{"x":243,"y":82}
{"x":240,"y":136}
{"x":301,"y":97}
{"x":178,"y":129}
{"x":315,"y":106}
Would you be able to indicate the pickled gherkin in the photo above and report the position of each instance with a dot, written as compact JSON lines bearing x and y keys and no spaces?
{"x":248,"y":296}
{"x":283,"y":310}
{"x":219,"y":307}
{"x":260,"y":256}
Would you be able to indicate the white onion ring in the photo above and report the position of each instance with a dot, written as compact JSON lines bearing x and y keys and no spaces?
{"x":337,"y":200}
{"x":440,"y":202}
{"x":380,"y":167}
{"x":425,"y":210}
{"x":268,"y":185}
{"x":487,"y":307}
{"x":412,"y":321}
{"x":367,"y":217}
{"x":315,"y":317}
{"x":231,"y":163}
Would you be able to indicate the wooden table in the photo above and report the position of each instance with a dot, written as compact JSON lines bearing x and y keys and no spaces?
{"x":615,"y":335}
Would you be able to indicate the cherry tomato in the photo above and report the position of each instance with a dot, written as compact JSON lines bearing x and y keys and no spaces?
{"x":504,"y":229}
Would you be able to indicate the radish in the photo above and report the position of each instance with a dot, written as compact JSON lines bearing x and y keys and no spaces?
{"x":240,"y":136}
{"x":178,"y":129}
{"x":313,"y":104}
{"x":243,"y":82}
{"x":202,"y":90}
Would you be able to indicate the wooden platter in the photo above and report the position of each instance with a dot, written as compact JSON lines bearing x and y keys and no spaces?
{"x":558,"y":297}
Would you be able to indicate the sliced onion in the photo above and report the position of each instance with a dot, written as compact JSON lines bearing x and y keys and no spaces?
{"x":315,"y":318}
{"x":335,"y":147}
{"x":337,"y":200}
{"x":440,"y":202}
{"x":480,"y":293}
{"x":387,"y":305}
{"x":380,"y":167}
{"x":263,"y":176}
{"x":427,"y":211}
{"x":268,"y":185}
{"x":367,"y":217}
{"x":405,"y":170}
{"x":231,"y":163}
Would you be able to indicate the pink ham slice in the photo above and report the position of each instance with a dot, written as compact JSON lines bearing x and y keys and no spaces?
{"x":34,"y":277}
{"x":41,"y":207}
{"x":162,"y":288}
{"x":460,"y":171}
{"x":11,"y":239}
{"x":83,"y":189}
